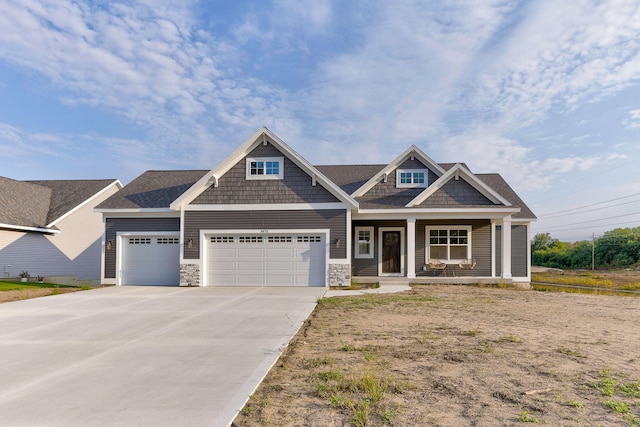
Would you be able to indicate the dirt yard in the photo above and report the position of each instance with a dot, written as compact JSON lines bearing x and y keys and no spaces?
{"x":8,"y":296}
{"x":458,"y":356}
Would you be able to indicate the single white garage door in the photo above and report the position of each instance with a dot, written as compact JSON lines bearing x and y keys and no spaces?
{"x":151,"y":261}
{"x":266,"y":260}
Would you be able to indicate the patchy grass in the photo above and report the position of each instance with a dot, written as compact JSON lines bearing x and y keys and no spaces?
{"x":607,"y":280}
{"x":17,"y":286}
{"x":16,"y":291}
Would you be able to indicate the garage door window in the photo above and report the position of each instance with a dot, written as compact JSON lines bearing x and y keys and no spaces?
{"x":279,"y":239}
{"x":250,"y":239}
{"x":168,"y":241}
{"x":222,"y":239}
{"x":309,"y":239}
{"x":139,"y":241}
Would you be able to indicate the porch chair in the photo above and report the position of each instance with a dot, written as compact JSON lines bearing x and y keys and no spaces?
{"x":467,"y":264}
{"x":436,"y":264}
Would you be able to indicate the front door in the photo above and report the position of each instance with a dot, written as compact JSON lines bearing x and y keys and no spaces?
{"x":391,"y":256}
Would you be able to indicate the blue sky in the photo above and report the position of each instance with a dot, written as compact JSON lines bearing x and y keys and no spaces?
{"x":546,"y":93}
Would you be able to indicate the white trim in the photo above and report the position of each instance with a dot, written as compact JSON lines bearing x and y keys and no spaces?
{"x":449,"y":260}
{"x":493,"y":248}
{"x":438,"y":213}
{"x":265,"y":176}
{"x":411,"y":248}
{"x":267,"y":207}
{"x":36,"y":229}
{"x":99,"y":193}
{"x":412,"y":184}
{"x":121,"y":235}
{"x":263,"y":134}
{"x":411,"y":151}
{"x":505,"y":272}
{"x":380,"y":246}
{"x":356,"y":246}
{"x":460,"y":171}
{"x":138,"y":210}
{"x":264,"y":232}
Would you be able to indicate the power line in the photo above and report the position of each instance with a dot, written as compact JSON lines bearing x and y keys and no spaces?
{"x":595,"y":220}
{"x":590,"y":210}
{"x":592,"y":204}
{"x":593,"y":226}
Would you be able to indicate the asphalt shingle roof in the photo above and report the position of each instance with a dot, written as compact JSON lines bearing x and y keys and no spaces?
{"x":153,"y":189}
{"x":39,"y":203}
{"x":158,"y":189}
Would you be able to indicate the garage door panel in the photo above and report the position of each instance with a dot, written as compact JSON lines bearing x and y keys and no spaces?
{"x":251,"y":252}
{"x":279,"y":260}
{"x":280,"y":252}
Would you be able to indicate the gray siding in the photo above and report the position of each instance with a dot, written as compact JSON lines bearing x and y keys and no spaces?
{"x":369,"y":266}
{"x":519,"y":247}
{"x":456,"y":193}
{"x":234,"y":188}
{"x":333,"y":219}
{"x":480,"y":246}
{"x":519,"y":244}
{"x":115,"y":225}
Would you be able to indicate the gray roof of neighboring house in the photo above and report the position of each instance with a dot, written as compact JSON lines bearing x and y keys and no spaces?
{"x":153,"y":189}
{"x":39,"y":203}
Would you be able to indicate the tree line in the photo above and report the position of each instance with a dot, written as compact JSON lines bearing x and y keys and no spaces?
{"x":616,"y":248}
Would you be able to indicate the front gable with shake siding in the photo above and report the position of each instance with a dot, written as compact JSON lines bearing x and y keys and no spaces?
{"x":265,"y":216}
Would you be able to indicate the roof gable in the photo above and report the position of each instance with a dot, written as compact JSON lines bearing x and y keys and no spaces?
{"x":412,"y":154}
{"x":262,"y":136}
{"x":456,"y":172}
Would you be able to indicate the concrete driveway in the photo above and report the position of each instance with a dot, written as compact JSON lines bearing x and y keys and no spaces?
{"x":142,"y":356}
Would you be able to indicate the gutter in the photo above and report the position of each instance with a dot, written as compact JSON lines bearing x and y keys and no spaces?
{"x":32,"y":229}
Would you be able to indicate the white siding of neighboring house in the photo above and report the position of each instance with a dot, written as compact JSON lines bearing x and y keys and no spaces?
{"x":74,"y":252}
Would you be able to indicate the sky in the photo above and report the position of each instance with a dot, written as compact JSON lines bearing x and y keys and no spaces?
{"x":546,"y":92}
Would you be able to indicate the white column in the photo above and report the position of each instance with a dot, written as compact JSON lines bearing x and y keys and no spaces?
{"x":493,"y":248}
{"x":506,"y":248}
{"x":411,"y":248}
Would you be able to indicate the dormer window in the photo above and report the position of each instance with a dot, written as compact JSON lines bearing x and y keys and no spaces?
{"x":412,"y":178}
{"x":265,"y":167}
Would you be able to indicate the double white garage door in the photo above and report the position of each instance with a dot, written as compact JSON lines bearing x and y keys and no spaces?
{"x":266,"y":260}
{"x":231,"y":260}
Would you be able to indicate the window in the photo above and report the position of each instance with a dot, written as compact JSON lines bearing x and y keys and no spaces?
{"x":309,"y":239}
{"x":449,"y":244}
{"x":167,"y":241}
{"x":265,"y":167}
{"x":139,"y":241}
{"x":412,"y":178}
{"x":364,"y":242}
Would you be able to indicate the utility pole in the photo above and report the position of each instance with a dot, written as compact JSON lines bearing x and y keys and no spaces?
{"x":593,"y":251}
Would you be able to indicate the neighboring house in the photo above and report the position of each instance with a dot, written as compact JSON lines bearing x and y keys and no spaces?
{"x":49,"y":228}
{"x":266,"y":216}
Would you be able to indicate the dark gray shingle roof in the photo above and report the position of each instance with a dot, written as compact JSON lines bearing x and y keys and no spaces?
{"x":68,"y":194}
{"x":153,"y":189}
{"x":350,"y":177}
{"x":39,"y":203}
{"x":23,"y":204}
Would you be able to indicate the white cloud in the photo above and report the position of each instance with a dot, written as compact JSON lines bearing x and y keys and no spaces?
{"x":633,"y":121}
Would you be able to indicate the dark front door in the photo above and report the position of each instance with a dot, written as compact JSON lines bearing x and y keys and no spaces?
{"x":391,"y":252}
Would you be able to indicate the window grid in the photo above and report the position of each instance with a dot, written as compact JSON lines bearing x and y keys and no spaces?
{"x":167,"y":240}
{"x":250,"y":239}
{"x":222,"y":239}
{"x":449,"y":243}
{"x":139,"y":241}
{"x":309,"y":239}
{"x":279,"y":239}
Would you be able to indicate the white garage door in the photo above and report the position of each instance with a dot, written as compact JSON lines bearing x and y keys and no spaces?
{"x":266,"y":260}
{"x":151,"y":261}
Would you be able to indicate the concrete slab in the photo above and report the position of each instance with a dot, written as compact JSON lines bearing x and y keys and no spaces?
{"x":143,"y":356}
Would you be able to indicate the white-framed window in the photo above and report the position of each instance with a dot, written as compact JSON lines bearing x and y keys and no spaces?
{"x":364,"y":242}
{"x":448,"y":243}
{"x":412,"y":178}
{"x":265,"y":167}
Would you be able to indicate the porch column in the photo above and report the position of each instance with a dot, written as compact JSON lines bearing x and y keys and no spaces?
{"x":411,"y":248}
{"x":506,"y":248}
